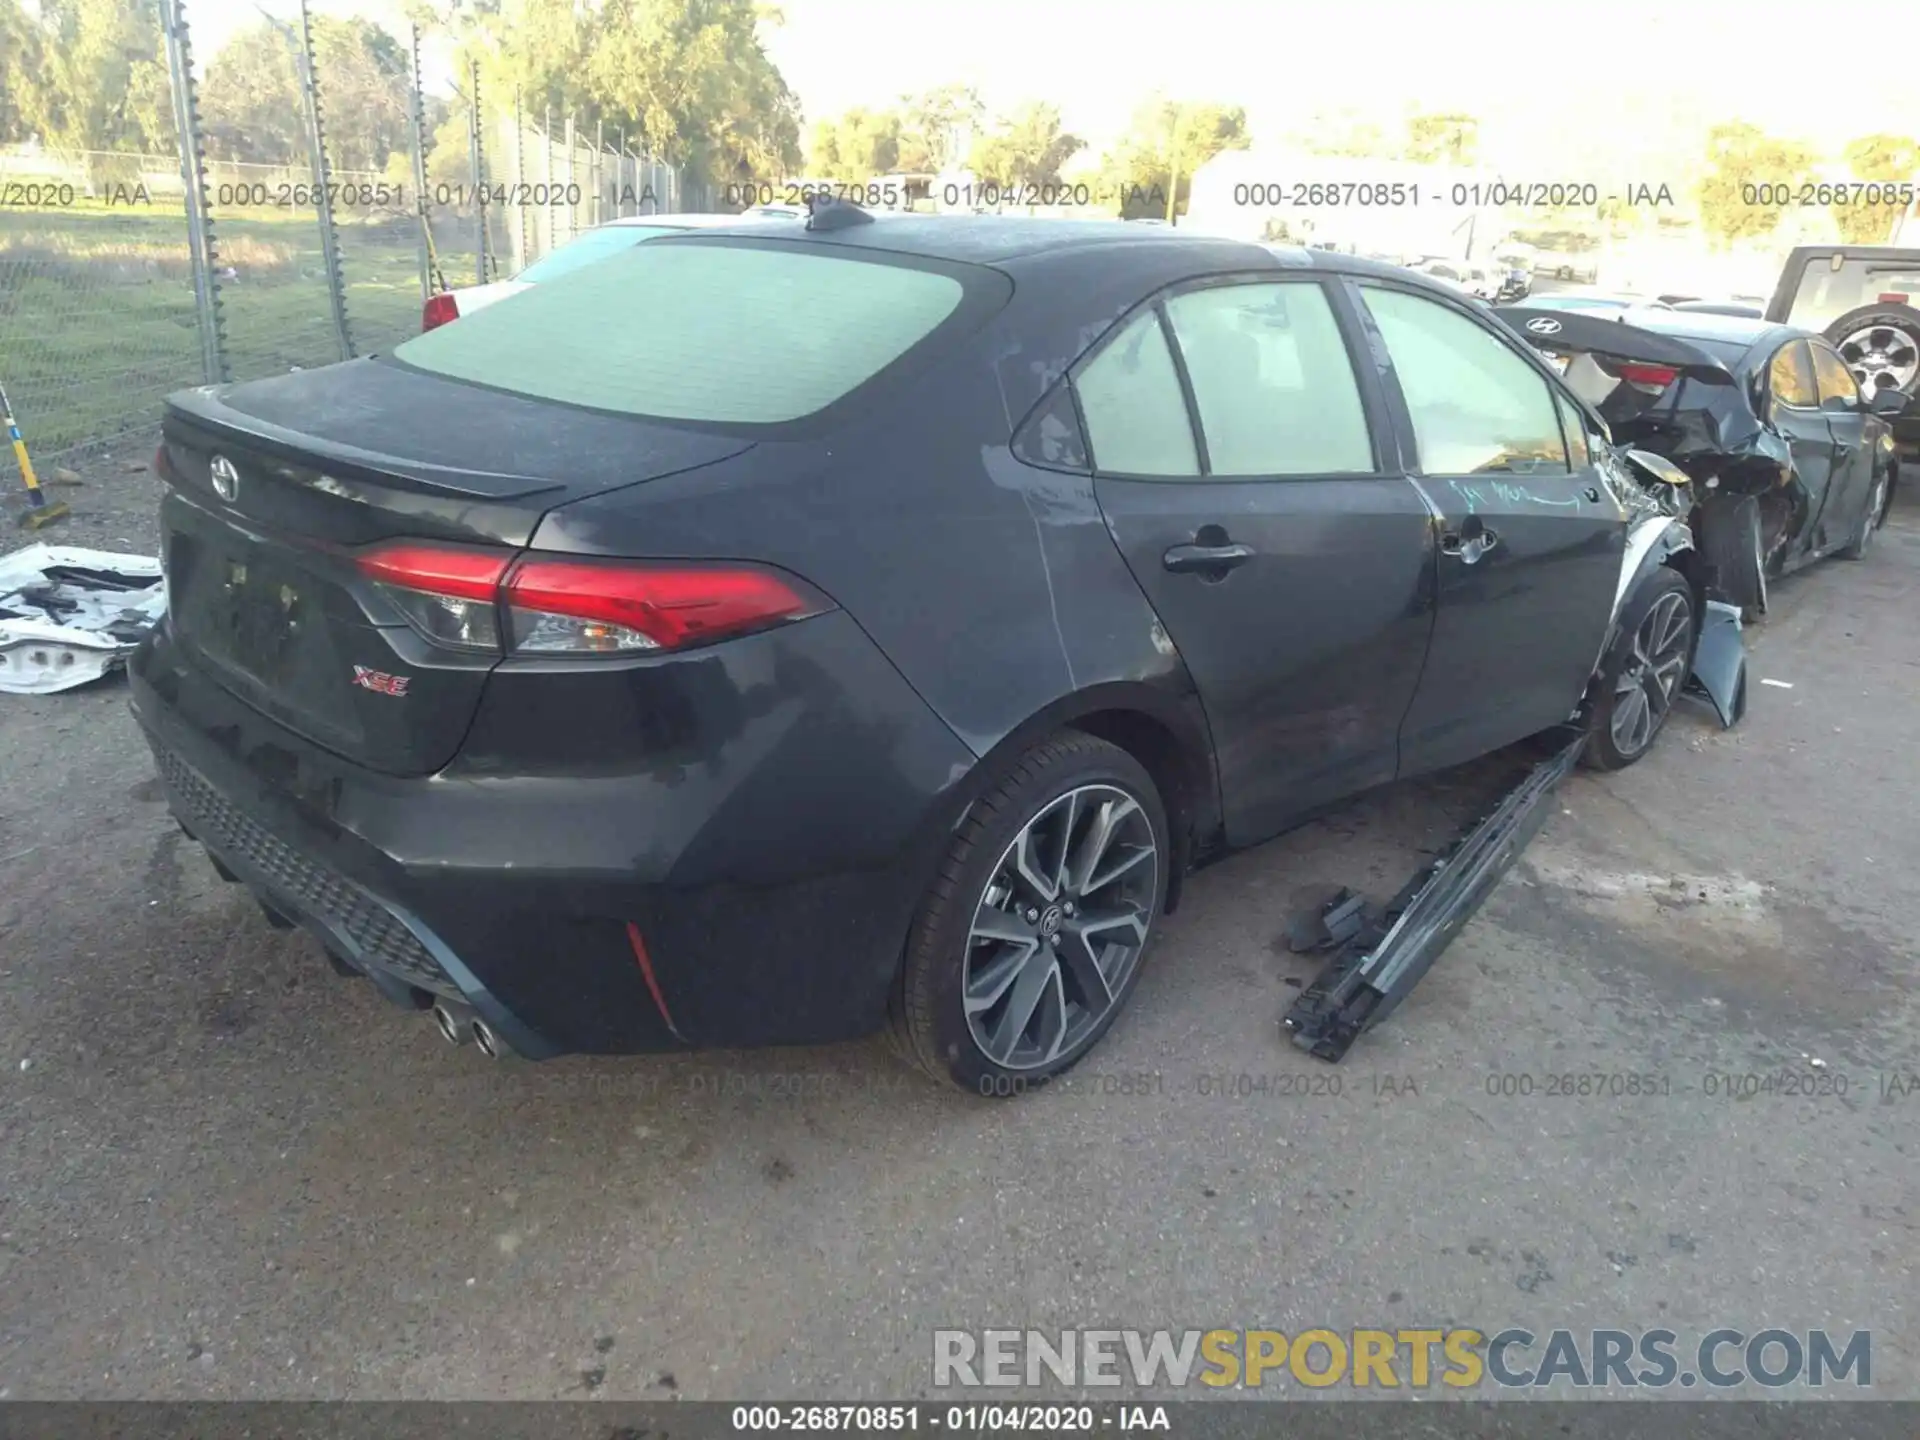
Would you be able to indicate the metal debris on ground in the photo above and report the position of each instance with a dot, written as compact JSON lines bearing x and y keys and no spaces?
{"x":1378,"y":954}
{"x":1720,"y":663}
{"x":69,"y":615}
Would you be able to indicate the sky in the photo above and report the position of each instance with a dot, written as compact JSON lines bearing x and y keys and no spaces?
{"x":1553,"y":74}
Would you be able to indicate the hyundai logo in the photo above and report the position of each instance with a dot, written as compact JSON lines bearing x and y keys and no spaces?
{"x":1544,"y":326}
{"x":226,"y":479}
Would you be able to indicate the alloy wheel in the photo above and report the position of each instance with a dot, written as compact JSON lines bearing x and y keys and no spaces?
{"x":1881,"y":358}
{"x":1060,"y":927}
{"x":1651,"y":676}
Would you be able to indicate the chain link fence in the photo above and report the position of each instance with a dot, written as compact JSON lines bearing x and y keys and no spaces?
{"x":117,"y":289}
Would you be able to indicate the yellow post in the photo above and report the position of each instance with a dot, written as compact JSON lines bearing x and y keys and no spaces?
{"x":39,"y":511}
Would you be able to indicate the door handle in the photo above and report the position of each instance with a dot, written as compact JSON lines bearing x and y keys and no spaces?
{"x":1183,"y":558}
{"x":1468,"y":547}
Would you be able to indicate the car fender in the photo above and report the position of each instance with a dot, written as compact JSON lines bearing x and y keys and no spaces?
{"x":1653,"y":541}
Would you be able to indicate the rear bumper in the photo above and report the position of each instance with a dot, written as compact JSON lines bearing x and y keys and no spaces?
{"x":763,"y":844}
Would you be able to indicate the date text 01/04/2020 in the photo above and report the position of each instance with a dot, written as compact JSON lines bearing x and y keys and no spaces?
{"x":957,"y":1419}
{"x":947,"y":195}
{"x":1472,"y":195}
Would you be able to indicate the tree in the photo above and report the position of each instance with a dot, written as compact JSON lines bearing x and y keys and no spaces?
{"x":855,"y":147}
{"x":1166,"y":136}
{"x":937,"y":128}
{"x":1026,"y":148}
{"x":255,"y":110}
{"x":692,"y":77}
{"x":1442,"y":139}
{"x":86,"y":74}
{"x":1880,"y":158}
{"x":1341,"y":133}
{"x":22,"y":64}
{"x":1741,"y":157}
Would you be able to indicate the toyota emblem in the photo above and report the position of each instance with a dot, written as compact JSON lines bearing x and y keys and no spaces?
{"x":1544,"y":326}
{"x":226,"y":479}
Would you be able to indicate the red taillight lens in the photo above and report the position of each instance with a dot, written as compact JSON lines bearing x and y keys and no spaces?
{"x":438,"y":310}
{"x":1893,"y":297}
{"x":589,"y":606}
{"x":1648,"y":377}
{"x":442,"y":569}
{"x":557,"y":605}
{"x":449,"y":595}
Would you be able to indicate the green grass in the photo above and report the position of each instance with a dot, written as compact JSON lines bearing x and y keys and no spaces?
{"x":97,"y":320}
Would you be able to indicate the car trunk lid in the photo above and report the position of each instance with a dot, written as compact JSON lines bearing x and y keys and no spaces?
{"x":275,"y":489}
{"x":1658,"y":393}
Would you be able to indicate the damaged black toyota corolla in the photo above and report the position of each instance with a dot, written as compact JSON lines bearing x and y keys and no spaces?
{"x":754,"y":636}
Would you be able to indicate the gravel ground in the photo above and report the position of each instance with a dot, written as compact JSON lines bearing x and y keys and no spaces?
{"x":226,"y":1173}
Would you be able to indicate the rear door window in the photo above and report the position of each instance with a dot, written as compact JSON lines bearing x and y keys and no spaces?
{"x":1830,"y":373}
{"x":1478,"y":408}
{"x":1790,"y":377}
{"x":704,"y":330}
{"x":1272,"y":380}
{"x":1136,"y":414}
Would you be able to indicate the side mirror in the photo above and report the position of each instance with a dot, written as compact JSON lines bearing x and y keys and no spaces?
{"x":1890,"y":404}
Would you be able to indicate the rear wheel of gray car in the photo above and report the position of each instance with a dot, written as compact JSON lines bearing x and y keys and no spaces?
{"x":1031,"y":937}
{"x":1870,"y":518}
{"x":1643,"y":672}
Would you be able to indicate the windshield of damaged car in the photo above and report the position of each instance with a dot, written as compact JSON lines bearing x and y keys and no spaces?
{"x":697,"y":330}
{"x":1825,"y":293}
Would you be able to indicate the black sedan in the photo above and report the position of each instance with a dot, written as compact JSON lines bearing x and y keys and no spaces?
{"x":757,"y":635}
{"x":1792,"y":461}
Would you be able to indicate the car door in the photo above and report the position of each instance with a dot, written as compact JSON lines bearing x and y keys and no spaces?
{"x":1248,"y":472}
{"x":1792,"y":403}
{"x":1847,"y":422}
{"x":1530,"y":543}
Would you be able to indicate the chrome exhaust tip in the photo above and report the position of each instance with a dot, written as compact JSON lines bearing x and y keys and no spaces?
{"x":452,"y":1027}
{"x":486,"y":1041}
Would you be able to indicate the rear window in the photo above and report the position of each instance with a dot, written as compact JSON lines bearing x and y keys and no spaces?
{"x":1825,"y":293}
{"x":592,"y":246}
{"x":697,"y":330}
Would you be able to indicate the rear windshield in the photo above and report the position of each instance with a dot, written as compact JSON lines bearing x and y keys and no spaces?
{"x":594,"y":245}
{"x":701,"y":330}
{"x":1825,"y":294}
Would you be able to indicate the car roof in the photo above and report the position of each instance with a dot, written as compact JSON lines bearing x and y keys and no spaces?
{"x":681,"y":222}
{"x":1862,"y":252}
{"x":991,"y":239}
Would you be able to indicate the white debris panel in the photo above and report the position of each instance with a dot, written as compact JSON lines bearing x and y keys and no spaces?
{"x":69,"y":615}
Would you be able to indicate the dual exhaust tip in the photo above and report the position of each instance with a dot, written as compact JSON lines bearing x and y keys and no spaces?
{"x":458,"y":1024}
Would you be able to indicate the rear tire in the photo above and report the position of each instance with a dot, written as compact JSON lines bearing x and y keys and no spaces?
{"x":1644,"y":671}
{"x":1034,"y":931}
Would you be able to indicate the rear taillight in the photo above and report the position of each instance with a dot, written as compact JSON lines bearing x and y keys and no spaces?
{"x":438,"y":310}
{"x":449,"y":595}
{"x":1650,"y":378}
{"x":1893,"y":297}
{"x":545,"y":604}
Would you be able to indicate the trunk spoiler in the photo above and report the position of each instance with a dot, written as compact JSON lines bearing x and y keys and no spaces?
{"x":1564,"y":332}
